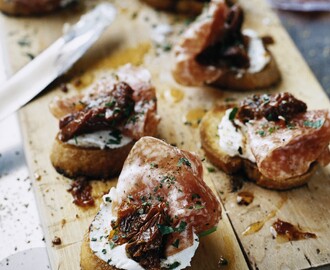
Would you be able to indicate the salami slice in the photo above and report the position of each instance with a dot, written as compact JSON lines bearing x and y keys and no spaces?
{"x":285,"y":150}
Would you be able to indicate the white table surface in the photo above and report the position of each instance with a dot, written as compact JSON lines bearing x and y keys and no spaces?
{"x":22,"y":243}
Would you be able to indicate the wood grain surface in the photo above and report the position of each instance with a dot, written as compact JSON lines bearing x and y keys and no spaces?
{"x":128,"y":40}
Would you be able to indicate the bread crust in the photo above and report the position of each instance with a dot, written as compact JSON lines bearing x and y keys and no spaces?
{"x":28,"y":7}
{"x":210,"y":141}
{"x":92,"y":163}
{"x":181,"y":6}
{"x":89,"y":261}
{"x":231,"y":165}
{"x":268,"y":77}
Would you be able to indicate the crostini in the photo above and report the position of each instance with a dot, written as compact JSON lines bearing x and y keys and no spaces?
{"x":155,"y":215}
{"x":31,"y":7}
{"x":272,"y":138}
{"x":99,"y":127}
{"x":215,"y":51}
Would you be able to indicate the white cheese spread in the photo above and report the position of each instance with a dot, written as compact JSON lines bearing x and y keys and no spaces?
{"x":257,"y":53}
{"x":116,"y":256}
{"x":232,"y":140}
{"x":160,"y":32}
{"x":100,"y":139}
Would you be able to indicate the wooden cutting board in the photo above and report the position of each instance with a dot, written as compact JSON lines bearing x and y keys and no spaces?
{"x":128,"y":40}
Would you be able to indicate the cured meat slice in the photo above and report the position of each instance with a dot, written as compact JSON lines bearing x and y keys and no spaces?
{"x":152,"y":219}
{"x":156,"y":173}
{"x":201,"y":34}
{"x":286,"y":150}
{"x":86,"y":110}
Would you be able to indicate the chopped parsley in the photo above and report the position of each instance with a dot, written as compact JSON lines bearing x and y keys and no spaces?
{"x":30,"y":55}
{"x":240,"y":150}
{"x":167,"y":47}
{"x":104,"y":251}
{"x":128,"y":110}
{"x":116,"y":137}
{"x":112,"y":245}
{"x":195,"y":196}
{"x":75,"y":139}
{"x":210,"y":169}
{"x":24,"y":42}
{"x":176,"y":243}
{"x":233,"y":113}
{"x":173,"y":265}
{"x":261,"y":133}
{"x":207,"y":232}
{"x":291,"y":126}
{"x":314,"y":124}
{"x":184,"y":161}
{"x":265,"y":98}
{"x":108,"y":199}
{"x":153,"y":165}
{"x":272,"y":129}
{"x":110,"y":104}
{"x":199,"y":205}
{"x":181,"y":227}
{"x":164,"y":230}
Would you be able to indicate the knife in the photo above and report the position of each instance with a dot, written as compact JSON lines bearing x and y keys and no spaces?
{"x":55,"y":60}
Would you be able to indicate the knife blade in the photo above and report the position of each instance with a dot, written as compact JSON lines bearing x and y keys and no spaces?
{"x":55,"y":60}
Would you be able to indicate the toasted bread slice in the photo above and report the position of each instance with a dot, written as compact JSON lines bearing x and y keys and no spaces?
{"x":192,"y":7}
{"x":231,"y":165}
{"x":89,"y":261}
{"x":92,"y":163}
{"x":210,"y":141}
{"x":254,"y":175}
{"x":267,"y":77}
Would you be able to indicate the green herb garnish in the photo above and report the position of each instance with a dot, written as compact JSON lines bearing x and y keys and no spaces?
{"x":181,"y":227}
{"x":184,"y":161}
{"x":116,"y":137}
{"x":261,"y":133}
{"x":173,"y":265}
{"x":272,"y":129}
{"x":291,"y":126}
{"x":108,"y":199}
{"x":112,"y":245}
{"x":167,"y":47}
{"x":314,"y":124}
{"x":199,"y":205}
{"x":130,"y":197}
{"x":153,"y":165}
{"x":233,"y":113}
{"x":176,"y":243}
{"x":207,"y":232}
{"x":195,"y":196}
{"x":110,"y":104}
{"x":164,"y":230}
